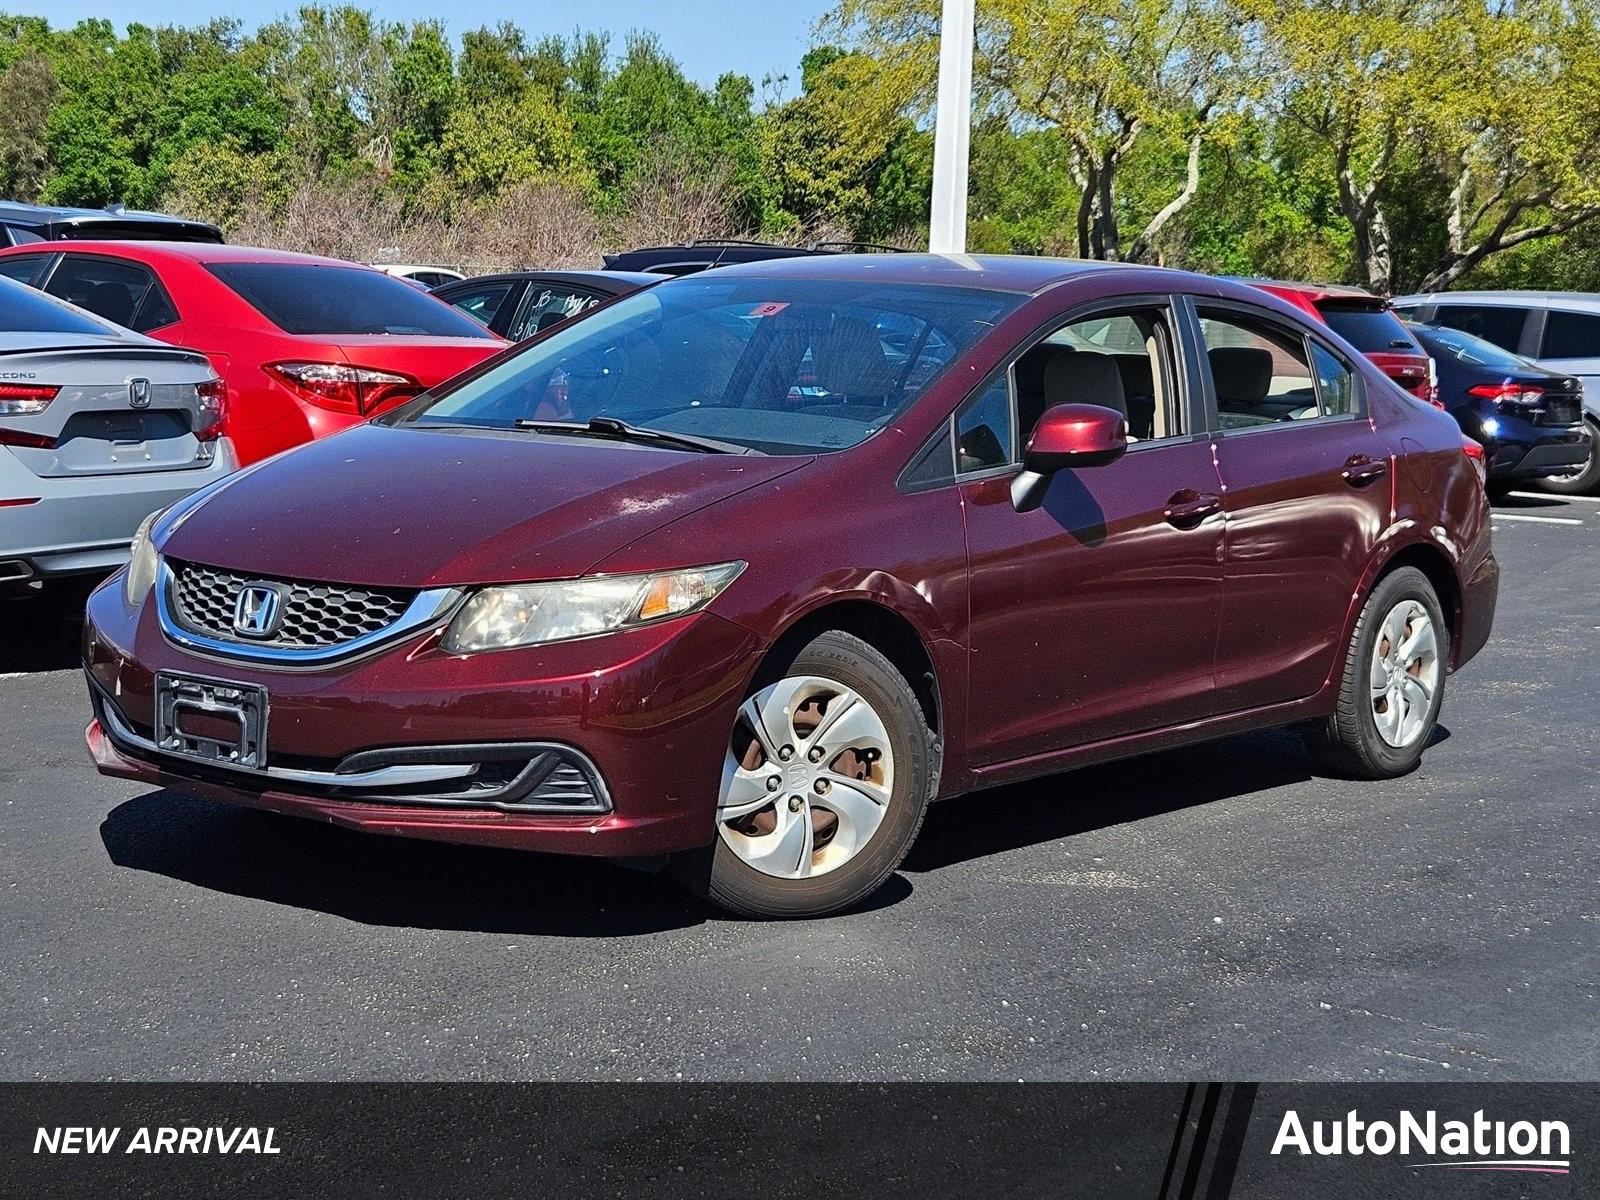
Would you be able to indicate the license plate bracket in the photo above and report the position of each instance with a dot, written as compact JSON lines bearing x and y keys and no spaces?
{"x":211,"y":720}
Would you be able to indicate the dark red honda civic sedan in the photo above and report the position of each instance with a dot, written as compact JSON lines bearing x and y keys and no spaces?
{"x":743,"y":571}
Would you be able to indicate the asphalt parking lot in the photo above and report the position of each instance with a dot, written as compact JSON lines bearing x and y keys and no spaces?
{"x":1217,"y":912}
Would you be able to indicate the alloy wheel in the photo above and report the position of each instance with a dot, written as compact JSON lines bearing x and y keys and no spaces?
{"x":1404,"y":674}
{"x":808,"y":777}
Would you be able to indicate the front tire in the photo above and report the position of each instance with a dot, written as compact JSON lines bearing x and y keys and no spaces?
{"x":827,"y":777}
{"x":1393,"y":683}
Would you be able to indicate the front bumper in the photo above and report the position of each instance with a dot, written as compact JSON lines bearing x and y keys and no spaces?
{"x":80,"y":524}
{"x":645,"y":715}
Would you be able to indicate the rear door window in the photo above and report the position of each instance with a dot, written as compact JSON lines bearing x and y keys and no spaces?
{"x":119,"y":291}
{"x":1571,"y":335}
{"x":1498,"y":323}
{"x":1369,"y":329}
{"x":331,"y":300}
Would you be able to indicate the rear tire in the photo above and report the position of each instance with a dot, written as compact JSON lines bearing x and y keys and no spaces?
{"x":850,"y":795}
{"x":1392,"y":685}
{"x":1586,"y":481}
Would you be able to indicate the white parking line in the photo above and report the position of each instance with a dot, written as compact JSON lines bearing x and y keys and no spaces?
{"x":1501,"y":516}
{"x":1551,"y":496}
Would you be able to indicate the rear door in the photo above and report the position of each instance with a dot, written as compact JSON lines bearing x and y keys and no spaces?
{"x":1571,"y":344}
{"x":1307,"y":493}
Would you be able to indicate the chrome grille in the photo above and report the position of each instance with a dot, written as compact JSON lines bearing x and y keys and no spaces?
{"x":315,"y":615}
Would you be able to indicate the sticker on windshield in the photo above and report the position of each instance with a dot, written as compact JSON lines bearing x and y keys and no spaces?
{"x":770,"y":309}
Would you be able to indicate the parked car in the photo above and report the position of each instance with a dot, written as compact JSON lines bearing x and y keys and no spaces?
{"x":421,"y":275}
{"x":21,"y":224}
{"x":99,"y":428}
{"x":1558,"y":330}
{"x":1366,"y":322}
{"x":757,"y":625}
{"x":307,"y":346}
{"x":1529,"y":420}
{"x":519,"y":304}
{"x":689,"y":257}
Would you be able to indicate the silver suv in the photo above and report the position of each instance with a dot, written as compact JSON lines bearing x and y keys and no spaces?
{"x":1557,"y":330}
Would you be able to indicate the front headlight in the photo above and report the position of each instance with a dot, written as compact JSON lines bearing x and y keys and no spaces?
{"x":527,"y":614}
{"x":141,"y":576}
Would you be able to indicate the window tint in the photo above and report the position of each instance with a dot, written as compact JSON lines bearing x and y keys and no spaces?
{"x":1497,"y":323}
{"x":482,"y":303}
{"x":983,"y":428}
{"x":314,"y":298}
{"x":122,"y":292}
{"x":1336,"y":382}
{"x":1571,"y":335}
{"x":1259,"y":371}
{"x":780,"y":365}
{"x":23,"y":310}
{"x":24,"y":268}
{"x":546,"y":307}
{"x":1366,"y":328}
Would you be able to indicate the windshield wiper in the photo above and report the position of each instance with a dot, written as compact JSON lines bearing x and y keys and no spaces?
{"x":610,"y":427}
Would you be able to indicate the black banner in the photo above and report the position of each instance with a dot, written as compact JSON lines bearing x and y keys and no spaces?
{"x":1161,"y":1141}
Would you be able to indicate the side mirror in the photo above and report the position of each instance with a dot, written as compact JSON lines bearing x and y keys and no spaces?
{"x":1067,"y":436}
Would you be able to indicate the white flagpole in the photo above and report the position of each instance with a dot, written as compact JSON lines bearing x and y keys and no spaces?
{"x":952,"y":130}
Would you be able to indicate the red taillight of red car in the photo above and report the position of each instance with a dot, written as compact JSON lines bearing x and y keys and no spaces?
{"x":343,"y":388}
{"x":1510,"y":394}
{"x":1476,"y":456}
{"x":25,"y":399}
{"x":213,"y":394}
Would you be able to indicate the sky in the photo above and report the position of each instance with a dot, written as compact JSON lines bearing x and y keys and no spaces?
{"x":708,"y":37}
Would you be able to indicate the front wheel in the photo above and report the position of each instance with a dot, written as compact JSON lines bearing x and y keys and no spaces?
{"x":1393,"y":682}
{"x":828,"y":772}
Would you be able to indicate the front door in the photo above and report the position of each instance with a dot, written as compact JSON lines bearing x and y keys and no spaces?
{"x":1094,"y":615}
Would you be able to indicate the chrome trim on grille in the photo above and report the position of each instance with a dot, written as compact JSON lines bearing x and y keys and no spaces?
{"x":428,"y":608}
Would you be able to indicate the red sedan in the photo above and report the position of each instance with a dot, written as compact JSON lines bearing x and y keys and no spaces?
{"x":1367,"y":323}
{"x":306,"y":346}
{"x":811,"y":543}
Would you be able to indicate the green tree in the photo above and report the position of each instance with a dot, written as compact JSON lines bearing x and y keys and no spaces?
{"x":27,"y":91}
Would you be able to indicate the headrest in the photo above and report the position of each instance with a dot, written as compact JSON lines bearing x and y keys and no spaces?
{"x":850,"y":360}
{"x":1031,"y":366}
{"x":1137,"y":377}
{"x":1084,"y":379}
{"x":1242,"y":374}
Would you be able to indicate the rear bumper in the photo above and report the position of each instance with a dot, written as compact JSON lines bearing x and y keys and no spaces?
{"x":84,"y":524}
{"x":1515,"y":448}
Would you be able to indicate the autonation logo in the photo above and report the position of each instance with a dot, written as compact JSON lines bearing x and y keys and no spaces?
{"x":1476,"y":1145}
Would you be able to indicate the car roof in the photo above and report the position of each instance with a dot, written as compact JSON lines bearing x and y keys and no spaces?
{"x":200,"y":252}
{"x":1023,"y":273}
{"x":617,"y":281}
{"x":1313,"y":291}
{"x":15,"y":212}
{"x":1584,"y":300}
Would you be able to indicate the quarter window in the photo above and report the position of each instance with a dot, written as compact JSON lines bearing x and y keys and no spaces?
{"x":1571,"y":335}
{"x":481,"y":304}
{"x":984,"y":428}
{"x":1336,"y":383}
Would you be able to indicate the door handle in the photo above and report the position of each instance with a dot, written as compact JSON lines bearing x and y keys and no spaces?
{"x":1360,"y":470}
{"x":1188,"y":508}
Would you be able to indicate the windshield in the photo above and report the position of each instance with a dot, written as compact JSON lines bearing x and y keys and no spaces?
{"x":23,"y":310}
{"x":1464,"y":348}
{"x":783,"y":366}
{"x":326,"y":299}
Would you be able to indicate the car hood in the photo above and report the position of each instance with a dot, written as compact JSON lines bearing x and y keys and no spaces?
{"x":414,"y":508}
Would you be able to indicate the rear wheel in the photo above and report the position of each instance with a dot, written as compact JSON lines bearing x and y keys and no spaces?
{"x":1393,"y":682}
{"x":828,"y":772}
{"x":1586,"y":479}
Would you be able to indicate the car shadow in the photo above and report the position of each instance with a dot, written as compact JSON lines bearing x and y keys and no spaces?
{"x":402,"y":882}
{"x":42,"y":632}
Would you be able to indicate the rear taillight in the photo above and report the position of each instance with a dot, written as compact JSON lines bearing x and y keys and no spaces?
{"x":213,"y":395}
{"x":1509,"y":394}
{"x":33,"y":441}
{"x":343,"y":388}
{"x":24,"y":399}
{"x":1475,"y":455}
